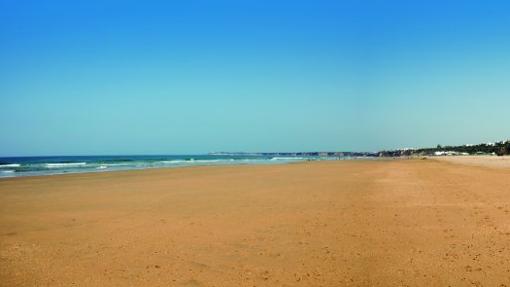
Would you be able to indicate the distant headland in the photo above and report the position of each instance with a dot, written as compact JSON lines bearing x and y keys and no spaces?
{"x":499,"y":148}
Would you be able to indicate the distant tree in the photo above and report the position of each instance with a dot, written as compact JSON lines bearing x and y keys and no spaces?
{"x":503,"y":149}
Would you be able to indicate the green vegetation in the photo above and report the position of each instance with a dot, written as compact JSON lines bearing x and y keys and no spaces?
{"x":499,"y":148}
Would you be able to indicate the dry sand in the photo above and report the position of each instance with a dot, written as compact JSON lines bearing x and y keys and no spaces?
{"x":349,"y":223}
{"x":479,"y":160}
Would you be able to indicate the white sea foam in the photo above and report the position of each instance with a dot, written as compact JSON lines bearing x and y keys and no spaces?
{"x":65,"y":164}
{"x":9,"y":165}
{"x":102,"y":167}
{"x":117,"y":164}
{"x":192,"y":161}
{"x":206,"y":160}
{"x":7,"y":173}
{"x":286,"y":158}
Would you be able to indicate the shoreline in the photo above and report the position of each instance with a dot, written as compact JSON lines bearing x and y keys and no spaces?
{"x":490,"y":161}
{"x":141,"y":169}
{"x":102,"y":171}
{"x":152,"y":169}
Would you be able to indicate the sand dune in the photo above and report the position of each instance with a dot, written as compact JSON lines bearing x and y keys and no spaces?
{"x":349,"y":223}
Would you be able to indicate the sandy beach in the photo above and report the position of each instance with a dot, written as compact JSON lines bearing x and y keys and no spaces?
{"x":343,"y":223}
{"x":479,"y":160}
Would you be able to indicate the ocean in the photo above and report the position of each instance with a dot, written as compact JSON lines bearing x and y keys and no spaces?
{"x":50,"y":165}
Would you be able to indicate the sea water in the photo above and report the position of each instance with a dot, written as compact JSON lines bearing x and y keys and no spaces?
{"x":50,"y":165}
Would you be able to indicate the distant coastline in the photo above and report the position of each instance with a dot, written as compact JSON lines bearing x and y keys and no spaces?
{"x":492,"y":148}
{"x":499,"y":148}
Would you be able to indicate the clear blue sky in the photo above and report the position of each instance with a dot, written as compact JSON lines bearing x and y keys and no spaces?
{"x":173,"y":77}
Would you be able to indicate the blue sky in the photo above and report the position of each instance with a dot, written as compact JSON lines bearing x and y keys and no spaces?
{"x":174,"y":77}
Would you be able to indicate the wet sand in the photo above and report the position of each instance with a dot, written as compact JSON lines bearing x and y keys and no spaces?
{"x":347,"y":223}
